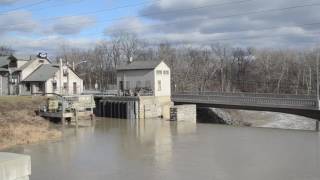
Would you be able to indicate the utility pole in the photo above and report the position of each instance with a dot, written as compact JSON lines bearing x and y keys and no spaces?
{"x":318,"y":78}
{"x":317,"y":121}
{"x":61,"y":76}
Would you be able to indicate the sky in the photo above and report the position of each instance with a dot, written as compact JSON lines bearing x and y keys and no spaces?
{"x":31,"y":26}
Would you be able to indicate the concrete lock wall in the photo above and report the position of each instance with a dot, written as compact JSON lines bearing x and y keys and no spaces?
{"x":134,"y":107}
{"x":153,"y":107}
{"x":184,"y":113}
{"x":14,"y":166}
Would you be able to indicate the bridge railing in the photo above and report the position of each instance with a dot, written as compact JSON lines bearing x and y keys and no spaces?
{"x":243,"y":94}
{"x":297,"y":102}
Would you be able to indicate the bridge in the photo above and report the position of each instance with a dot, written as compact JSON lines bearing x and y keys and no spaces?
{"x":302,"y":105}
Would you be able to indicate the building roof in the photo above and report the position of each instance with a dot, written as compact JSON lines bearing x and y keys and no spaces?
{"x":4,"y":70}
{"x":139,"y":65}
{"x":42,"y":73}
{"x":4,"y":60}
{"x":26,"y":64}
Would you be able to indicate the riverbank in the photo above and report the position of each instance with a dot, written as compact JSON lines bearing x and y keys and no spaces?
{"x":19,"y":123}
{"x":263,"y":119}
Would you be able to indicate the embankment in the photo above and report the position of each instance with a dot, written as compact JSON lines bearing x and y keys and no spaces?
{"x":19,"y":123}
{"x":255,"y":119}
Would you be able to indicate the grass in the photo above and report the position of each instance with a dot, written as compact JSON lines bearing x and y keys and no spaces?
{"x":19,"y":123}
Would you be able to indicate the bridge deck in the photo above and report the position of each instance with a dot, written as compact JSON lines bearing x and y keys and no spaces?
{"x":254,"y":100}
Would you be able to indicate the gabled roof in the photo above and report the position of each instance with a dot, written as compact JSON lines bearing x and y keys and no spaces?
{"x":4,"y":70}
{"x":26,"y":64}
{"x":42,"y":73}
{"x":4,"y":60}
{"x":30,"y":62}
{"x":139,"y":65}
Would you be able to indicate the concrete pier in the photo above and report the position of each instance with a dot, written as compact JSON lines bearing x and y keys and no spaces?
{"x":14,"y":166}
{"x":186,"y":113}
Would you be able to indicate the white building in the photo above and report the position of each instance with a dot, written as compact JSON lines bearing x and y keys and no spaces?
{"x":151,"y":76}
{"x":39,"y":76}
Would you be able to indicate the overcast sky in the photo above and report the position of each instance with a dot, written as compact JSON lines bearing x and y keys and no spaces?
{"x":30,"y":26}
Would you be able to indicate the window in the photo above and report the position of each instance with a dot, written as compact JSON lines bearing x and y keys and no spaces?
{"x":166,"y":72}
{"x":65,"y":72}
{"x":65,"y":85}
{"x":159,"y":72}
{"x":159,"y":85}
{"x":121,"y":85}
{"x":40,"y":86}
{"x":28,"y":87}
{"x":54,"y":86}
{"x":75,"y":88}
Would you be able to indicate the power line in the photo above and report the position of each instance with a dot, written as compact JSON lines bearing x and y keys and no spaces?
{"x":223,"y":17}
{"x":253,"y":12}
{"x":189,"y":9}
{"x":131,"y":5}
{"x":23,"y":7}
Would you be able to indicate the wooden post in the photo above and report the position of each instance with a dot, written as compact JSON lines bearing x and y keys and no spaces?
{"x":144,"y":111}
{"x":62,"y":113}
{"x":76,"y":117}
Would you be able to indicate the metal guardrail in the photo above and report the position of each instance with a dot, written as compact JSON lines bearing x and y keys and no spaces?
{"x":240,"y":94}
{"x":291,"y":102}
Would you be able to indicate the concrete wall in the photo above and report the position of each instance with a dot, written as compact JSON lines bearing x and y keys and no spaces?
{"x":134,"y":76}
{"x":14,"y":166}
{"x":184,"y":113}
{"x":165,"y":80}
{"x":152,"y":107}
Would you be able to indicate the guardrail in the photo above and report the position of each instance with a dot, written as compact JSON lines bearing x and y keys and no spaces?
{"x":294,"y":102}
{"x":243,"y":94}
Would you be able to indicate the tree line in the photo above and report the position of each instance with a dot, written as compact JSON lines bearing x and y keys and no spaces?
{"x":211,"y":67}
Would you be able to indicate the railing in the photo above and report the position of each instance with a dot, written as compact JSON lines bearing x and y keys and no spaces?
{"x":260,"y":100}
{"x":241,"y":94}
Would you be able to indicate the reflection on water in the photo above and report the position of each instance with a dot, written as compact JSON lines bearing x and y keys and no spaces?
{"x":156,"y":149}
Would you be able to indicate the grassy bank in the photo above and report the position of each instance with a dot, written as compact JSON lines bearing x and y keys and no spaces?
{"x":19,"y":123}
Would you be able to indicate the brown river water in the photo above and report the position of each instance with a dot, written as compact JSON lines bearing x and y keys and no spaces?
{"x":161,"y":150}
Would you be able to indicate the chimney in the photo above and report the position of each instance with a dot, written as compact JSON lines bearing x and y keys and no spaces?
{"x":130,"y":60}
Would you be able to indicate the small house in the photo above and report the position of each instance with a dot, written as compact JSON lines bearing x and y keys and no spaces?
{"x":145,"y":78}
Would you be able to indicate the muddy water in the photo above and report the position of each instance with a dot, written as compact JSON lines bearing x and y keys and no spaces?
{"x":158,"y":150}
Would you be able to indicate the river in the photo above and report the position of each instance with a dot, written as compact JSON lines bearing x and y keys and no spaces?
{"x":157,"y":150}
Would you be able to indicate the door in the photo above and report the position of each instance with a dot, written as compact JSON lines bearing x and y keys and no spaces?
{"x":121,"y":85}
